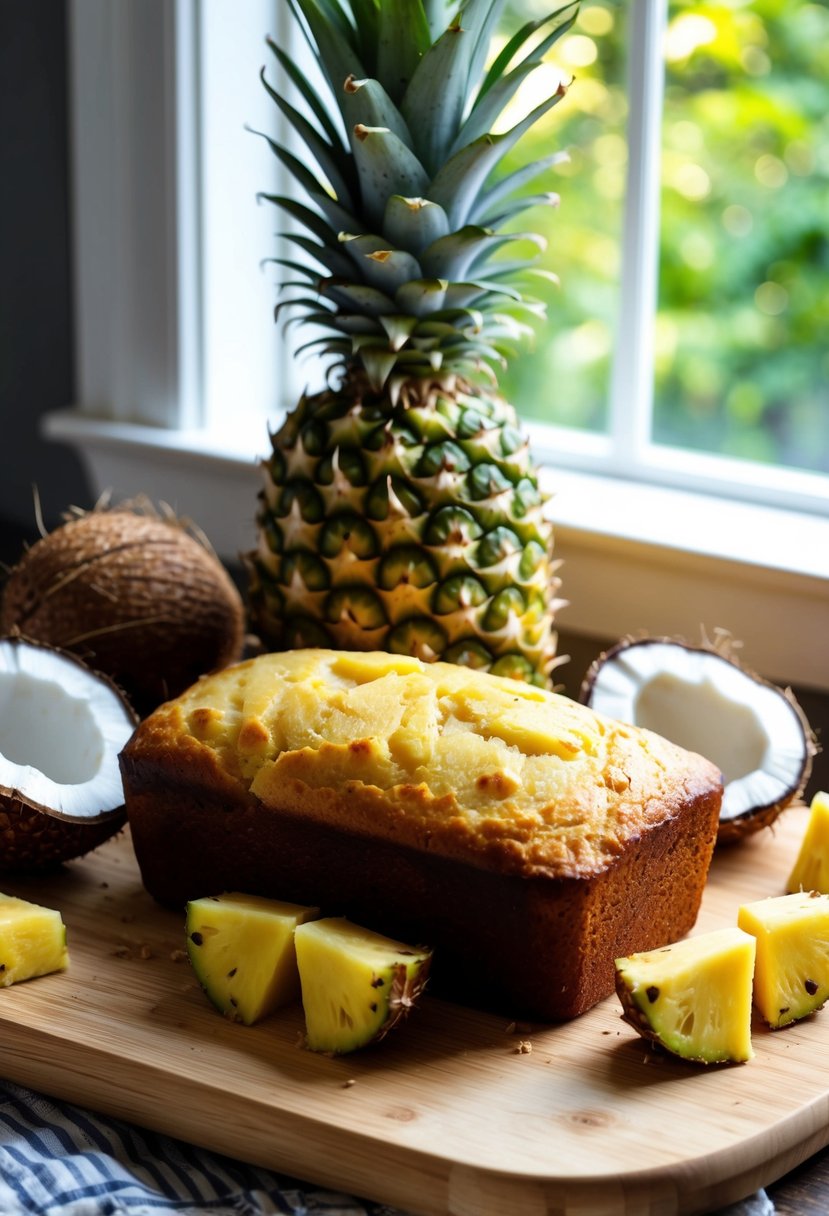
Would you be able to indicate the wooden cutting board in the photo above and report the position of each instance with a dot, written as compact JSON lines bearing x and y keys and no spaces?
{"x":449,"y":1114}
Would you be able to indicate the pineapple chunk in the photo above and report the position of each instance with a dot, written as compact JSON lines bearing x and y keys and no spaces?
{"x":242,"y":951}
{"x":791,"y":977}
{"x":811,"y":870}
{"x":362,"y":667}
{"x":32,"y":941}
{"x":356,"y":985}
{"x":694,"y":997}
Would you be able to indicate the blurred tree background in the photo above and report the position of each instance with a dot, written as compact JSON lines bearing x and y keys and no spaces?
{"x":742,"y":329}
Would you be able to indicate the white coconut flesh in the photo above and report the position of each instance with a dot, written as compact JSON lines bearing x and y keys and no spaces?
{"x":707,"y":704}
{"x":61,"y":729}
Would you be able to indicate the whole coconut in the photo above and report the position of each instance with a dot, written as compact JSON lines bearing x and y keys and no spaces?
{"x":135,"y":594}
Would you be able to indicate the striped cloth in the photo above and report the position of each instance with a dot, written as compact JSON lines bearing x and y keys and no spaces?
{"x":59,"y":1160}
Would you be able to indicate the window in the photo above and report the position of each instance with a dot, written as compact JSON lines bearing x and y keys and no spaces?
{"x":181,"y":368}
{"x":693,"y":246}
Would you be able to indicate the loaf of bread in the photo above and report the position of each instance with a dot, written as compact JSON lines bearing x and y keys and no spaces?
{"x":525,"y":838}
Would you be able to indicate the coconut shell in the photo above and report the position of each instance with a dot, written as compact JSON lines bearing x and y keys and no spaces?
{"x":136,"y":596}
{"x":31,"y":840}
{"x":755,"y":819}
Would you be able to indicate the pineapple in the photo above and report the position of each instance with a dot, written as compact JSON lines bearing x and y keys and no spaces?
{"x":791,"y":976}
{"x":242,"y":950}
{"x":356,"y":984}
{"x":401,"y":510}
{"x":693,"y":998}
{"x":32,"y":941}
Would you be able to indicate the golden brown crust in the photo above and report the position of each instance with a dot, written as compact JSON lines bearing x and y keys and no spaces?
{"x":568,"y":810}
{"x":528,"y":874}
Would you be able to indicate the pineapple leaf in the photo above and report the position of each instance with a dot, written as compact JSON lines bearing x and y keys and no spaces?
{"x":499,"y":91}
{"x":421,"y":297}
{"x":366,"y":15}
{"x":336,"y":215}
{"x":311,"y":276}
{"x":357,"y":246}
{"x":437,"y":17}
{"x":515,"y":181}
{"x":461,"y":294}
{"x":434,"y":102}
{"x":380,"y":266}
{"x":398,"y":329}
{"x":459,"y":182}
{"x":354,"y":323}
{"x":379,"y":365}
{"x":331,"y":42}
{"x":386,"y":167}
{"x":308,"y":218}
{"x":414,"y":223}
{"x":366,"y":102}
{"x":403,"y":38}
{"x":360,"y":296}
{"x":333,"y":259}
{"x":451,"y":257}
{"x":310,"y":94}
{"x":548,"y":199}
{"x":329,"y":346}
{"x":306,"y":302}
{"x":563,"y":18}
{"x":389,"y":269}
{"x":333,"y":163}
{"x":481,"y":16}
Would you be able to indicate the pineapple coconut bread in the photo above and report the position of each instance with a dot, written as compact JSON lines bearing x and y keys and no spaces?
{"x":528,"y":840}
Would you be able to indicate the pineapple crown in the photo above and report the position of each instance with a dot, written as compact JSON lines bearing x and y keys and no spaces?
{"x":401,"y":220}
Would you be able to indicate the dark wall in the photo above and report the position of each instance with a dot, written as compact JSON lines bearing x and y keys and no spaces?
{"x":36,"y":373}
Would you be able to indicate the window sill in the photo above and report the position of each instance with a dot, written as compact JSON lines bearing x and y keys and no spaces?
{"x":637,"y":558}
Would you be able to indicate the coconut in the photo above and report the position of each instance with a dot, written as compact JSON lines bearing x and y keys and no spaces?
{"x":62,"y":726}
{"x":137,"y":595}
{"x":702,"y":699}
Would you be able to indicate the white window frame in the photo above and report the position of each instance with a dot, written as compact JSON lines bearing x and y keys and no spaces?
{"x":173,"y":314}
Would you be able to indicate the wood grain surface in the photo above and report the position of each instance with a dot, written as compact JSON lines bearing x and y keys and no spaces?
{"x":451,"y":1114}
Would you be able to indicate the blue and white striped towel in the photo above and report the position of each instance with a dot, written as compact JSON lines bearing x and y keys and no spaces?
{"x":59,"y":1160}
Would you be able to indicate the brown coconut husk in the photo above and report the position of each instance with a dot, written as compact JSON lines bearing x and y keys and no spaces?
{"x":134,"y":591}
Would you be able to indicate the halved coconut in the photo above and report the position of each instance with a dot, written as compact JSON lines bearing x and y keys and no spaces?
{"x":701,"y":699}
{"x":62,"y":726}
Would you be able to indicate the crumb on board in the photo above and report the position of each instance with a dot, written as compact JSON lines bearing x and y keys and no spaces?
{"x":523,"y":1047}
{"x":178,"y":956}
{"x":347,"y":1084}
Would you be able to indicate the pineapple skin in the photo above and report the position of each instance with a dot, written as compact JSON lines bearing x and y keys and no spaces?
{"x":415,"y":528}
{"x":666,"y":993}
{"x":241,"y":948}
{"x":357,"y":985}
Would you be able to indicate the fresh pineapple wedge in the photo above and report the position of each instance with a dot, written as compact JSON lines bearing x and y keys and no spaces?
{"x":32,"y":941}
{"x":242,"y":951}
{"x":791,"y":977}
{"x":356,"y":985}
{"x":694,"y":997}
{"x":811,"y":869}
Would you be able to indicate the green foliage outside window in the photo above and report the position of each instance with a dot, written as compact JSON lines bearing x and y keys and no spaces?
{"x":742,"y":329}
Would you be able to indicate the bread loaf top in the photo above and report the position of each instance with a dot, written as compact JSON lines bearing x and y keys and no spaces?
{"x":472,"y":766}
